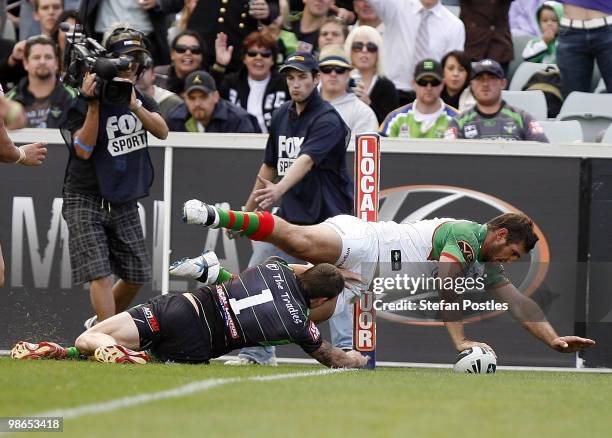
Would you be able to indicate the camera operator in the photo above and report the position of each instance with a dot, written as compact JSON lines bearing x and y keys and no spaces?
{"x":109,"y":168}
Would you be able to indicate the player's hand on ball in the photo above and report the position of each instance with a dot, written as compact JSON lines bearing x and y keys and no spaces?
{"x":470,"y":344}
{"x":571,"y":344}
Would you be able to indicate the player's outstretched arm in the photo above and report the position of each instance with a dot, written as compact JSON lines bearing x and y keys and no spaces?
{"x":453,"y":319}
{"x":530,"y":315}
{"x":334,"y":357}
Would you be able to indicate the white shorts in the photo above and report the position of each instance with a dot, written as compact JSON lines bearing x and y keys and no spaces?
{"x":368,"y":248}
{"x":359,"y":246}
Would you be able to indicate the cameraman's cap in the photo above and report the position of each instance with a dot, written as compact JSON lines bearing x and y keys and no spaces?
{"x":487,"y":66}
{"x":129,"y":43}
{"x":302,"y":61}
{"x":428,"y":68}
{"x":200,"y":80}
{"x":334,"y":54}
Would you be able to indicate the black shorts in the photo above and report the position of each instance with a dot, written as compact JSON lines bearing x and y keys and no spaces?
{"x":169,"y":326}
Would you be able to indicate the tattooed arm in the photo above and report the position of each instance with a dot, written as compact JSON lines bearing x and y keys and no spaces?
{"x":334,"y":357}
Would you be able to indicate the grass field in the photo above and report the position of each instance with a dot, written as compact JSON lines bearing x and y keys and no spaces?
{"x":229,"y":401}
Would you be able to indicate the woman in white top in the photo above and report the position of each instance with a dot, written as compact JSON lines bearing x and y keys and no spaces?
{"x":364,"y":44}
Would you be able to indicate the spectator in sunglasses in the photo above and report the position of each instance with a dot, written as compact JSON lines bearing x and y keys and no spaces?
{"x":335,"y":69}
{"x":428,"y":116}
{"x":256,"y":87}
{"x":369,"y":84}
{"x":186,"y":56}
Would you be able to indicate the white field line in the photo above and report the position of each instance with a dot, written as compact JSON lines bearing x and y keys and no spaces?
{"x":291,"y":360}
{"x":383,"y":364}
{"x":180,"y":391}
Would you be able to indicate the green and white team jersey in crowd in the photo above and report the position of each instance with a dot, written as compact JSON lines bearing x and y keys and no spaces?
{"x":508,"y":123}
{"x":384,"y":249}
{"x":408,"y":122}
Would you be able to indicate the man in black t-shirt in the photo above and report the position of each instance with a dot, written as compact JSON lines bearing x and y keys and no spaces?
{"x":269,"y":304}
{"x":108,"y":170}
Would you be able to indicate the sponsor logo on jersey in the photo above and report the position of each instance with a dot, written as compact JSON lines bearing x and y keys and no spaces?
{"x":470,"y":131}
{"x":225,"y":311}
{"x":293,"y":311}
{"x":288,"y":151}
{"x":509,"y":127}
{"x":466,"y":251}
{"x":125,"y":134}
{"x":151,"y":320}
{"x":314,"y":331}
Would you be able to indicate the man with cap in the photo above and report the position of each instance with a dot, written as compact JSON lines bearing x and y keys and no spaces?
{"x":492,"y":118}
{"x":205,"y":111}
{"x":335,"y":69}
{"x":303,"y":171}
{"x":108,"y":170}
{"x":428,"y":116}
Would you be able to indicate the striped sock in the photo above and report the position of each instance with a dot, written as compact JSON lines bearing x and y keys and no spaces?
{"x":255,"y":225}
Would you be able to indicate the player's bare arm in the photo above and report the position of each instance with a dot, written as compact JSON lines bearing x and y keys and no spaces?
{"x":334,"y":357}
{"x":530,"y":315}
{"x":29,"y":155}
{"x":453,"y":319}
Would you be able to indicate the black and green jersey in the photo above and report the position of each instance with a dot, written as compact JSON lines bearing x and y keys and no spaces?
{"x":508,"y":123}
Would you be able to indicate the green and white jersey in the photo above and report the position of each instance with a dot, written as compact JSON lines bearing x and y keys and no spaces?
{"x":387,"y":249}
{"x":407,"y":122}
{"x":414,"y":248}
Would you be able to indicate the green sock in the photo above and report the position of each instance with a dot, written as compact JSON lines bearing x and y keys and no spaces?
{"x":224,"y":275}
{"x":72,"y":353}
{"x":234,"y":220}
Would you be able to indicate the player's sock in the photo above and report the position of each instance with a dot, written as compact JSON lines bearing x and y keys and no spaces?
{"x":254,"y":225}
{"x":222,"y":277}
{"x":72,"y":353}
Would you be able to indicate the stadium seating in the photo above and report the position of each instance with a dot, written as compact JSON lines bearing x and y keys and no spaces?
{"x":532,"y":101}
{"x":519,"y":42}
{"x":523,"y":72}
{"x":593,"y":111}
{"x":607,"y":138}
{"x":568,"y":131}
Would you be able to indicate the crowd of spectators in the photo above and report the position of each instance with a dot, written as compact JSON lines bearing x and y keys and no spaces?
{"x":236,"y":47}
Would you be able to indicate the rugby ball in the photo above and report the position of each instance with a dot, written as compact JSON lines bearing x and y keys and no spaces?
{"x":475,"y":360}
